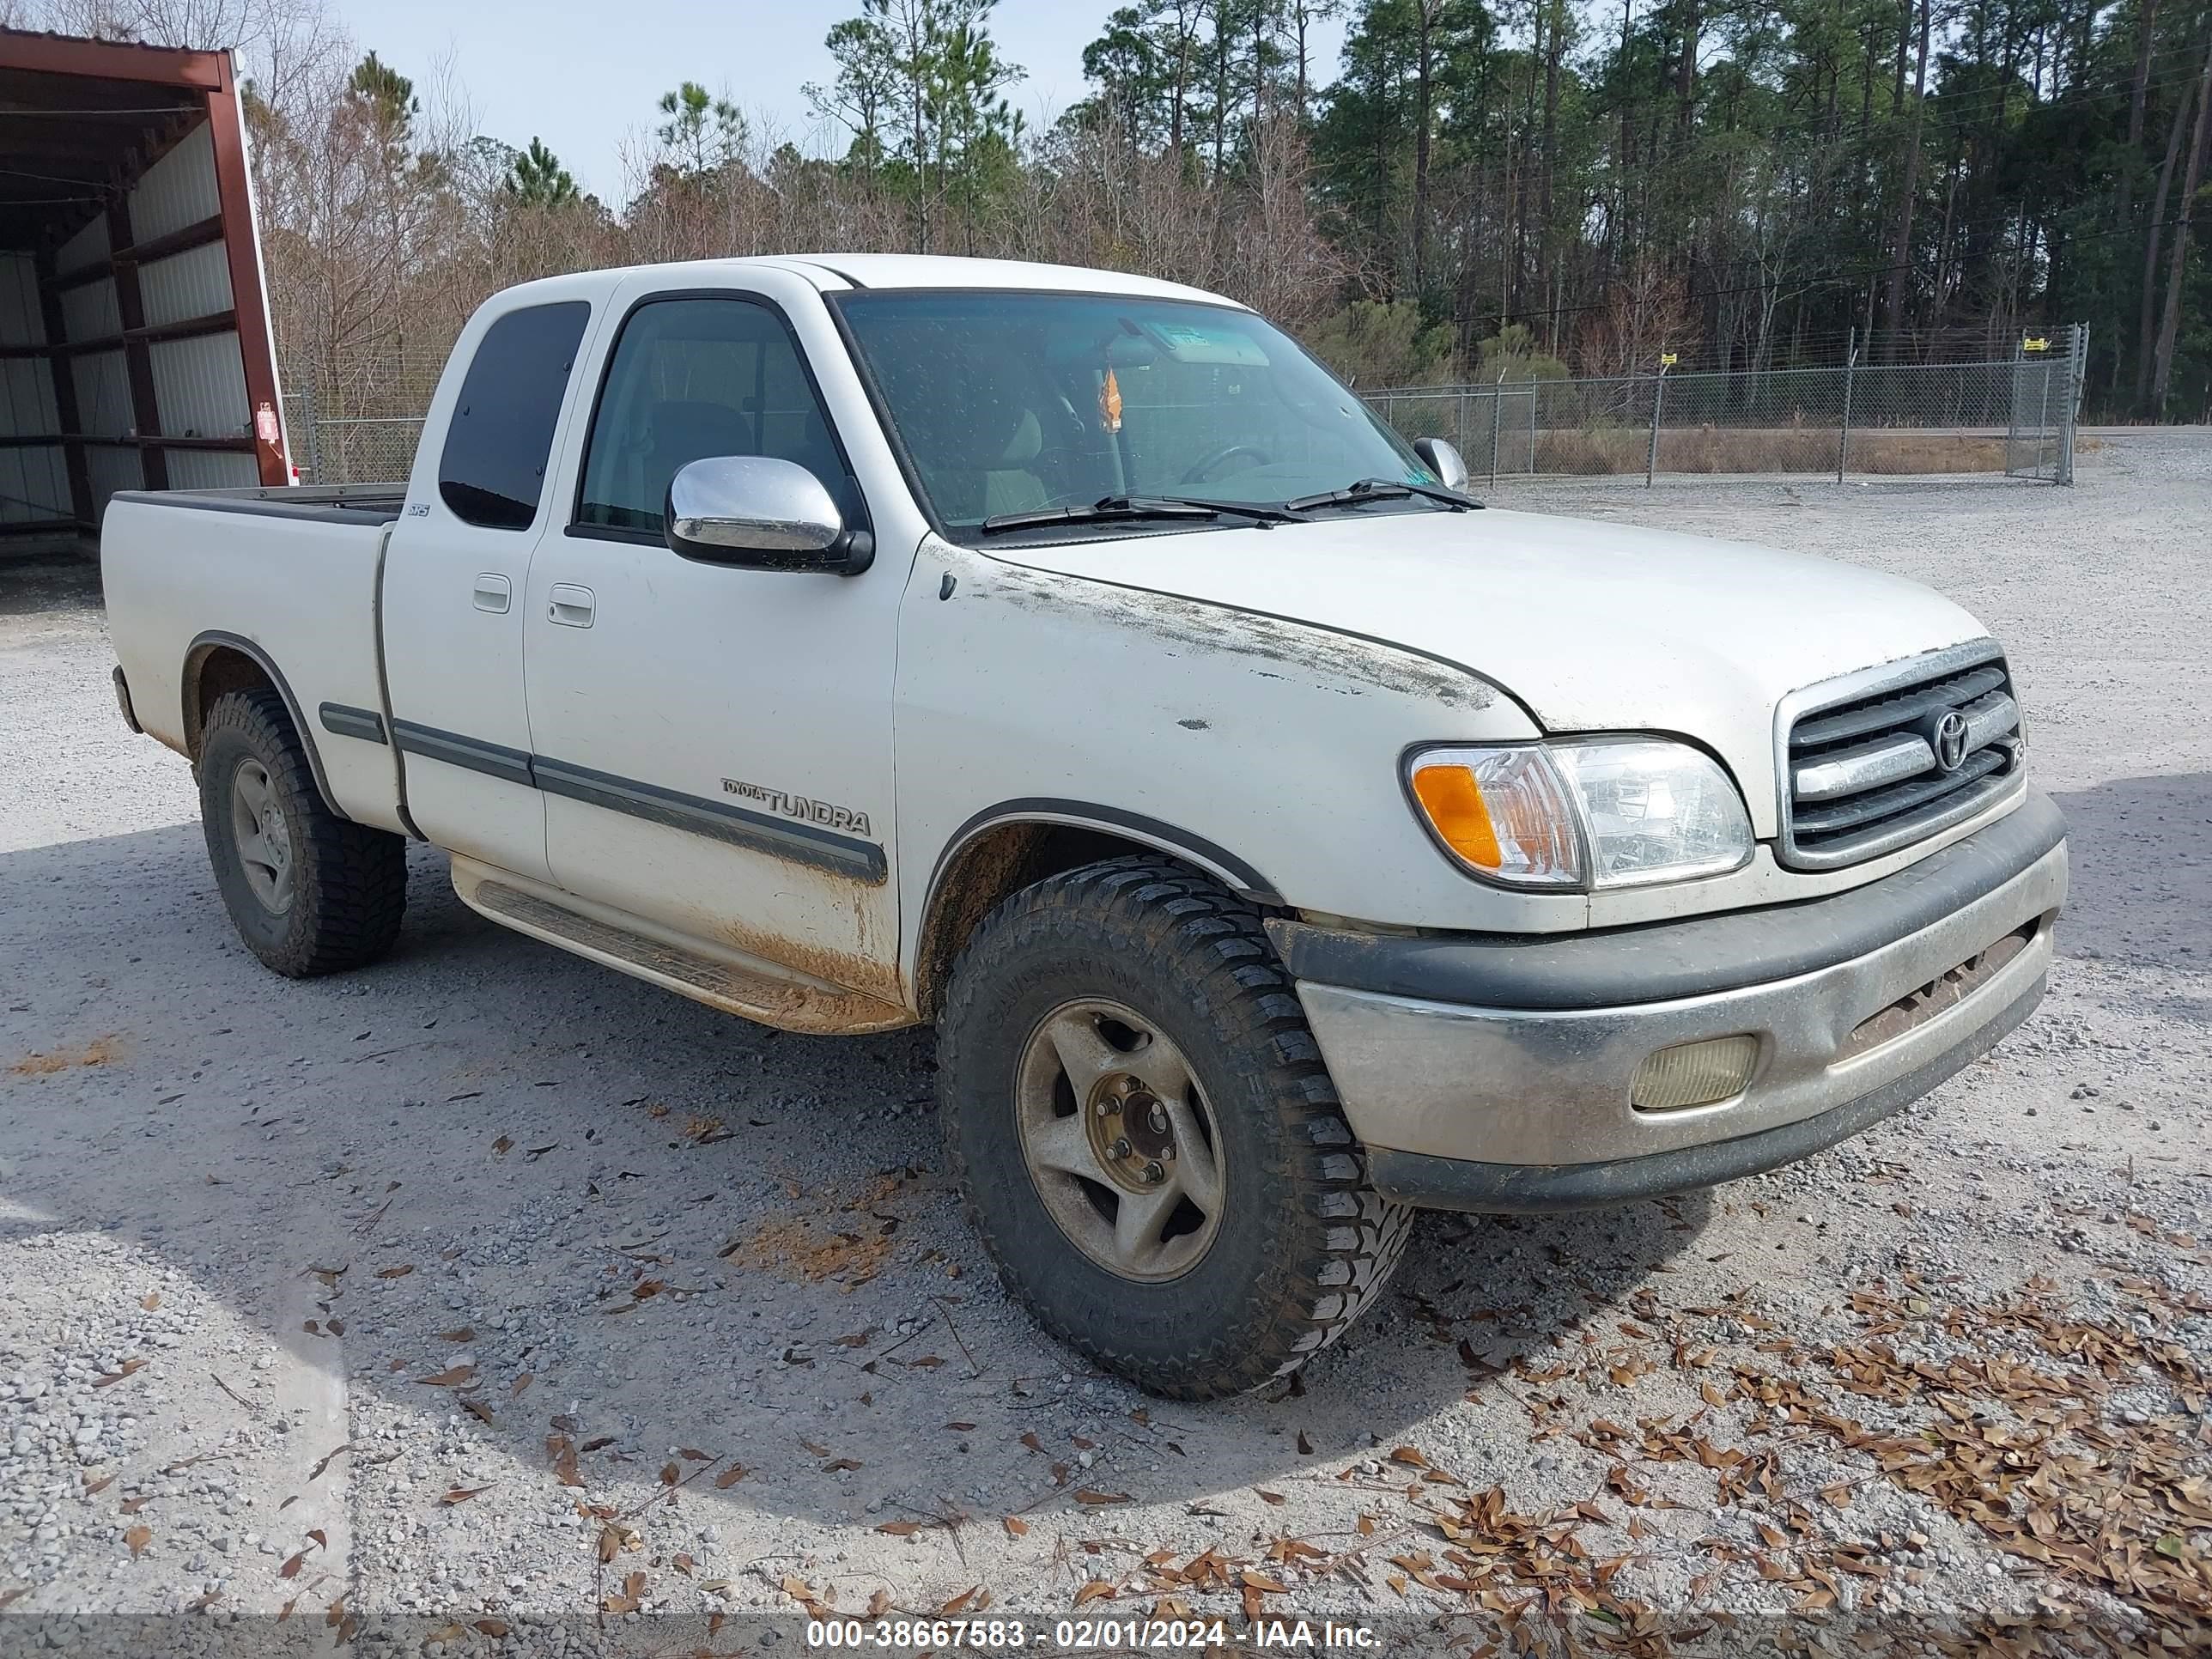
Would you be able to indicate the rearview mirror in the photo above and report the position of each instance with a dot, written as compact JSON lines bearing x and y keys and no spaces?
{"x":762,"y":513}
{"x":1442,"y":460}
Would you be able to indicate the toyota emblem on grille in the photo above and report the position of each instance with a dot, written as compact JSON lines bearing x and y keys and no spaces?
{"x":1951,"y":741}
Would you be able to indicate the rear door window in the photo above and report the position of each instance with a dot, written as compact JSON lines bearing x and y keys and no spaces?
{"x":500,"y":436}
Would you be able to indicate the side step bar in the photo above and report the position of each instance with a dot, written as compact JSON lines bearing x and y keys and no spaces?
{"x":789,"y":1004}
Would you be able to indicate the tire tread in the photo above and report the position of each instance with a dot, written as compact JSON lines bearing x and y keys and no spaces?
{"x":1345,"y":1239}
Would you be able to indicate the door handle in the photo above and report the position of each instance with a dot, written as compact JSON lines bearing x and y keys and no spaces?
{"x":492,"y":592}
{"x":571,"y":606}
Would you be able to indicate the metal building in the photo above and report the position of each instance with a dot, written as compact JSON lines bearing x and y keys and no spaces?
{"x":135,"y":348}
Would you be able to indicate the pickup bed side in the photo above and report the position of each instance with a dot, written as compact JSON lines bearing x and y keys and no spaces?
{"x":215,"y":591}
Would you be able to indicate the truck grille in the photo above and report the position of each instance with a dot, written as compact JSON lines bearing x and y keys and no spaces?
{"x":1911,"y":754}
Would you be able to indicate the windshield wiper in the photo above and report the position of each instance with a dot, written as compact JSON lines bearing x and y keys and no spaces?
{"x":1379,"y":490}
{"x":1122,"y":508}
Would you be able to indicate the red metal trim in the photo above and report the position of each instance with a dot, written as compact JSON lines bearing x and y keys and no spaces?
{"x":110,"y":60}
{"x":206,"y":230}
{"x":235,"y":196}
{"x":63,"y":371}
{"x":137,"y":361}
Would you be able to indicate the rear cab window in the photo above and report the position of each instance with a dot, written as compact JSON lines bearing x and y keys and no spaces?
{"x":499,"y":438}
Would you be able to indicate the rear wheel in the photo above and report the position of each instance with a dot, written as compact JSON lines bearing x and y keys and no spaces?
{"x":309,"y":892}
{"x":1147,"y":1138}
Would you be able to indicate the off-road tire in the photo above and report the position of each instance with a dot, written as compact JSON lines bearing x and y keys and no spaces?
{"x":1304,"y":1243}
{"x":349,"y":880}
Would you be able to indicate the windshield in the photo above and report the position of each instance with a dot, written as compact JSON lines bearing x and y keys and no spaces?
{"x":1011,"y":402}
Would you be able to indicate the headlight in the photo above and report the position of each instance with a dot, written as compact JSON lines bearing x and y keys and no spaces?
{"x":1605,"y":812}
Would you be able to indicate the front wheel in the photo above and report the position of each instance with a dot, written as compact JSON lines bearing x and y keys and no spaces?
{"x":1147,"y":1138}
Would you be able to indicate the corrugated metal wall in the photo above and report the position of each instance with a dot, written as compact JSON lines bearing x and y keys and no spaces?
{"x":176,"y":190}
{"x":87,"y":247}
{"x":33,"y":481}
{"x":194,"y":283}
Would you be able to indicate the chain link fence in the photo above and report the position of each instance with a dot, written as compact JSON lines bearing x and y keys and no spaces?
{"x":1856,"y":417}
{"x":362,"y":429}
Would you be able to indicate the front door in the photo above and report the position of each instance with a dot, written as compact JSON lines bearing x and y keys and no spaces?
{"x":713,"y":743}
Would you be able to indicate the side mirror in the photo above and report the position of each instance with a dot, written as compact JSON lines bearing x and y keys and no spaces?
{"x":1442,"y":460}
{"x":762,"y":513}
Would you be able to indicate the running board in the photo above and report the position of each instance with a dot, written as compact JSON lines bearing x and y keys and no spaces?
{"x":789,"y":1004}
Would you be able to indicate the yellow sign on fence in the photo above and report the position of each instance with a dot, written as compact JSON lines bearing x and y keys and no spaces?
{"x":1667,"y":360}
{"x":2035,"y":345}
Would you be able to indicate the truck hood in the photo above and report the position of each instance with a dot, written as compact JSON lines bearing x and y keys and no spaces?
{"x":1592,"y":626}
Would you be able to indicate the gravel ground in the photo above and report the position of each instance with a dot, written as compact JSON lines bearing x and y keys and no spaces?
{"x":487,"y":1299}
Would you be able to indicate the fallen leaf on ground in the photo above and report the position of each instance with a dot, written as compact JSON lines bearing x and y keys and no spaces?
{"x":520,"y":1384}
{"x":461,"y":1495}
{"x":730,"y":1477}
{"x":138,"y":1537}
{"x":632,"y":1596}
{"x":453,"y":1378}
{"x":1016,"y":1526}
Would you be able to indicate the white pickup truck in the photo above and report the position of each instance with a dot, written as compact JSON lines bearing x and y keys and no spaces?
{"x":1279,"y":843}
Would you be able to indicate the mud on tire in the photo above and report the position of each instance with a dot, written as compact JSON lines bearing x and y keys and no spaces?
{"x":1302,"y":1242}
{"x":308,"y":892}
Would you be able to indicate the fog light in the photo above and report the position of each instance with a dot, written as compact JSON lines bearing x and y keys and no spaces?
{"x":1694,"y":1074}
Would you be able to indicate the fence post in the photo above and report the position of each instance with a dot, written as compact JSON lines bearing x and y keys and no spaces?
{"x":1496,"y":415}
{"x":1533,"y":384}
{"x":314,"y":428}
{"x":2043,"y":423}
{"x":1843,"y":442}
{"x":2012,"y":406}
{"x":1658,"y":401}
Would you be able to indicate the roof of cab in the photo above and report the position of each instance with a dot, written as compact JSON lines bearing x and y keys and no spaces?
{"x":940,"y":270}
{"x":837,"y":273}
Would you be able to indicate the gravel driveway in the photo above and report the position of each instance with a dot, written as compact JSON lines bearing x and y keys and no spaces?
{"x":488,"y":1301}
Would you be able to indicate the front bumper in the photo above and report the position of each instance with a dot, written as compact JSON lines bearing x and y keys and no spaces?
{"x":1517,"y":1097}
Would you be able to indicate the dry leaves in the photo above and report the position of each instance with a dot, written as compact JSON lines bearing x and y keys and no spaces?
{"x":138,"y":1537}
{"x":628,"y":1599}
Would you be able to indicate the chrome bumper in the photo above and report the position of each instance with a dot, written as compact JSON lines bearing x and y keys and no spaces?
{"x":1543,"y":1088}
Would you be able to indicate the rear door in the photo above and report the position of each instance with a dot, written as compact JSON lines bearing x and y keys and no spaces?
{"x":714,"y":743}
{"x":457,"y":570}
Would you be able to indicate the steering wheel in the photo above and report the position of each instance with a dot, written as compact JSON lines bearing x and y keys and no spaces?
{"x":1195,"y":474}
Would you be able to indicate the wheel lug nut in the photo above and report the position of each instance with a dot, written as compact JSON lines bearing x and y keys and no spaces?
{"x":1156,"y":1172}
{"x":1120,"y":1148}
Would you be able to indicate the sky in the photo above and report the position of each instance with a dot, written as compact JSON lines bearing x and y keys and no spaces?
{"x":585,"y":75}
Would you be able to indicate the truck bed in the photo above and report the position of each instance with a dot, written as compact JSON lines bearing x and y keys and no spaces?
{"x":202,"y":583}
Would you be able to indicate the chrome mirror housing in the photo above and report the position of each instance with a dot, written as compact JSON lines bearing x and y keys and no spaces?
{"x":1444,"y":460}
{"x":762,"y":512}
